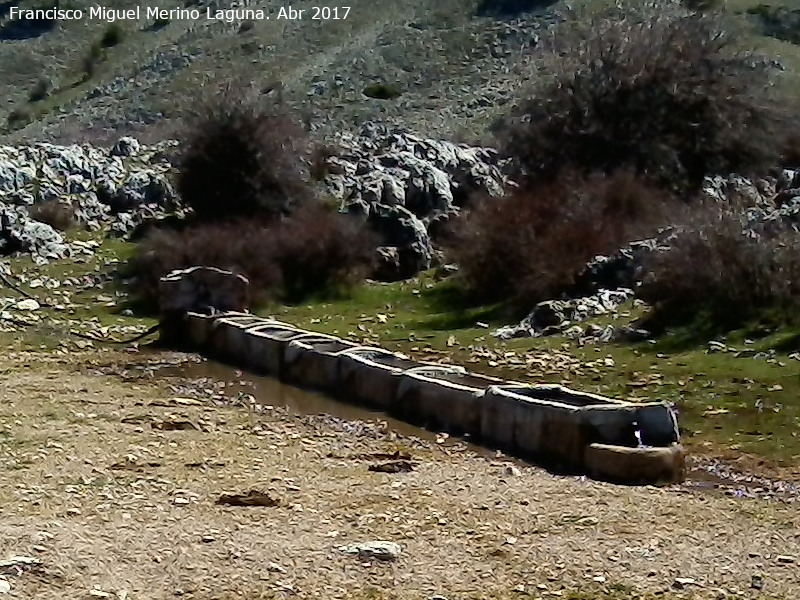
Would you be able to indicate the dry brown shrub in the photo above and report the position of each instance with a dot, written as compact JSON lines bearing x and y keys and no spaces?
{"x":314,"y":252}
{"x":721,"y":274}
{"x":531,"y":246}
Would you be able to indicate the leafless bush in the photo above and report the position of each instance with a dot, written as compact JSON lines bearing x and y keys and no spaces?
{"x":723,"y":273}
{"x":315,"y":251}
{"x":321,"y":251}
{"x":531,"y":246}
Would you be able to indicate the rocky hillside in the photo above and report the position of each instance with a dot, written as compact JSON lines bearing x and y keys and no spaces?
{"x":388,"y":87}
{"x":441,"y":65}
{"x":96,"y":186}
{"x":400,"y":182}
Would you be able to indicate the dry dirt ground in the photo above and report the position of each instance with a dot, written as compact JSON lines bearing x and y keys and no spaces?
{"x":112,"y":483}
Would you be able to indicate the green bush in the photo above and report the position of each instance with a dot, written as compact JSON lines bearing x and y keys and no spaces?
{"x":93,"y":57}
{"x":40,"y":90}
{"x":112,"y":36}
{"x":702,"y":5}
{"x":510,"y":8}
{"x":382,"y":91}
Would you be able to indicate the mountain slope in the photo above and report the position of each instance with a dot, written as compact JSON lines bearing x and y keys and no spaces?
{"x":456,"y":64}
{"x":453,"y":71}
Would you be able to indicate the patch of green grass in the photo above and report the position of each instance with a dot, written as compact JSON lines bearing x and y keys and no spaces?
{"x":727,"y":405}
{"x":50,"y":331}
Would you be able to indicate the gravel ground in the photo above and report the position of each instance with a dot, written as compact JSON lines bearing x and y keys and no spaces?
{"x":111,"y":483}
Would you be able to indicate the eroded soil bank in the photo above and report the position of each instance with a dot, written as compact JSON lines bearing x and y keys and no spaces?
{"x":110,"y":478}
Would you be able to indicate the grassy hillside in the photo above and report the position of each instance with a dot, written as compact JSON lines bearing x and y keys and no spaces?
{"x":455,"y":71}
{"x":450,"y":68}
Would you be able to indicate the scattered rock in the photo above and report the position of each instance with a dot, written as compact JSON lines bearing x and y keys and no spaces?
{"x":557,"y":316}
{"x":21,"y":234}
{"x":126,"y":146}
{"x":95,"y":182}
{"x":757,"y":582}
{"x":16,"y":565}
{"x":204,"y":290}
{"x":139,"y":189}
{"x":409,"y":249}
{"x":174,"y":425}
{"x":378,"y":550}
{"x":28,"y":304}
{"x":682,"y":582}
{"x":786,"y":560}
{"x":251,"y":498}
{"x":396,"y":455}
{"x":623,"y":269}
{"x":771,"y":199}
{"x":714,"y":346}
{"x":393,"y":466}
{"x":404,"y":184}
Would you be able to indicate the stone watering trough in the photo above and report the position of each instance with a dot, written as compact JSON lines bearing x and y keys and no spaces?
{"x":566,"y":429}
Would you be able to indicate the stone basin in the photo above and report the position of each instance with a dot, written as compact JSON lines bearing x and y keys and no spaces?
{"x":265,"y":345}
{"x":557,"y":425}
{"x":442,"y":398}
{"x":313,"y":361}
{"x":370,"y":376}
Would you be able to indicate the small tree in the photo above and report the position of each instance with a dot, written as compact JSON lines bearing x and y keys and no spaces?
{"x":242,"y":156}
{"x":651,"y":87}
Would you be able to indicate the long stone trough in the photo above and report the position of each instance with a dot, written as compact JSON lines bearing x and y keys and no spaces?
{"x":565,"y":429}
